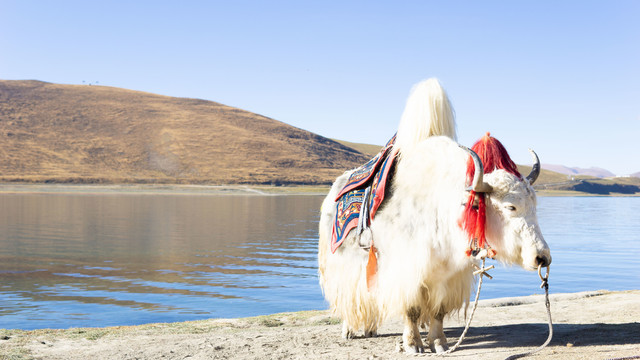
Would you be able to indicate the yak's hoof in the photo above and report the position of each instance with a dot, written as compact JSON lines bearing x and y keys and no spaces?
{"x":413,"y":349}
{"x":348,"y":334}
{"x":371,"y":333}
{"x":347,"y":331}
{"x":438,"y":346}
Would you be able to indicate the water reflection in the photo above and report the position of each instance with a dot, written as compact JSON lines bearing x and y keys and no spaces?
{"x":80,"y":260}
{"x":100,"y":260}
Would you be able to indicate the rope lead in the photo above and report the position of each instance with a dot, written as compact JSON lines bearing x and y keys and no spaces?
{"x":482,"y":271}
{"x":545,"y":286}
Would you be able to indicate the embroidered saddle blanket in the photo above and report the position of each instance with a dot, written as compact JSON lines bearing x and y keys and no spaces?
{"x":360,"y":198}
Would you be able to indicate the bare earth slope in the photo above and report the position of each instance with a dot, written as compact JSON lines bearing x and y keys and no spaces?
{"x":97,"y":134}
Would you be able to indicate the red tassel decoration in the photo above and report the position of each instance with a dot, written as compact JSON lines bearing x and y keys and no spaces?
{"x":474,"y":218}
{"x":493,"y":156}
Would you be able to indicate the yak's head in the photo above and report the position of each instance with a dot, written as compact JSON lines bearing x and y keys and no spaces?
{"x":501,"y":208}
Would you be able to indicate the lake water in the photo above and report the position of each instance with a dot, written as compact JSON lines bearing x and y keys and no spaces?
{"x":123,"y":259}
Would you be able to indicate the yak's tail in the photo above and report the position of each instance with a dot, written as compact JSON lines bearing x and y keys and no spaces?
{"x":428,"y":113}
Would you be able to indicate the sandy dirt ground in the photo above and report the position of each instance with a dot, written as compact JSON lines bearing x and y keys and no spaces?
{"x":592,"y":325}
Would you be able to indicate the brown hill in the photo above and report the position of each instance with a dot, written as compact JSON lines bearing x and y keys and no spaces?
{"x":367,"y":149}
{"x":97,"y":134}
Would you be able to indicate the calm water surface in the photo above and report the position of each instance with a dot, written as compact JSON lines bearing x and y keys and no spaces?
{"x":100,"y":260}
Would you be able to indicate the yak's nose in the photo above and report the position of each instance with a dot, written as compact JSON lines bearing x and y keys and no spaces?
{"x":544,"y":260}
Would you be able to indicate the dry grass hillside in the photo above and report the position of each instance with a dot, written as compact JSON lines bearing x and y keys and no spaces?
{"x":97,"y":134}
{"x":51,"y":133}
{"x":367,"y":149}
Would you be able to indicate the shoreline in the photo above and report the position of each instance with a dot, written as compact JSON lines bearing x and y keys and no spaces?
{"x":180,"y":189}
{"x":595,"y":324}
{"x":163,"y":189}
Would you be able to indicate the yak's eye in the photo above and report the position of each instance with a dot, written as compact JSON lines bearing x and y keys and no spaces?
{"x":474,"y":206}
{"x":511,"y":208}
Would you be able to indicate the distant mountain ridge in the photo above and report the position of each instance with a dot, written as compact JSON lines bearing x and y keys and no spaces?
{"x":592,"y":171}
{"x":98,"y":134}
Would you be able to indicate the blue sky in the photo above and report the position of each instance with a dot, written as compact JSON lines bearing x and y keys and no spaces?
{"x":562,"y":77}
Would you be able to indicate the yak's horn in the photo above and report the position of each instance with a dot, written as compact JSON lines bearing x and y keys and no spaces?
{"x":478,"y":185}
{"x":535,"y":170}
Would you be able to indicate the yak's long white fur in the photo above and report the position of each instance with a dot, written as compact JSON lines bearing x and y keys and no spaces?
{"x":428,"y":112}
{"x":343,"y":274}
{"x":422,"y":260}
{"x":422,"y":265}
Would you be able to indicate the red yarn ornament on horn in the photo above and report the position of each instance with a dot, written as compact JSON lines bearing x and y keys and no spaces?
{"x":474,"y":218}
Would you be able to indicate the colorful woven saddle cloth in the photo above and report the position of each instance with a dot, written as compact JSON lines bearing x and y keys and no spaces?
{"x":363,"y":194}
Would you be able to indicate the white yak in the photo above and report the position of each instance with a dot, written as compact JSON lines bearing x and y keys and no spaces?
{"x":423,"y":268}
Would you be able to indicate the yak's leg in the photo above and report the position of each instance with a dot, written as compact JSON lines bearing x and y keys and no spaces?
{"x":371,"y":329}
{"x":347,"y":331}
{"x":371,"y":325}
{"x":411,"y":340}
{"x":371,"y":333}
{"x":436,"y":338}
